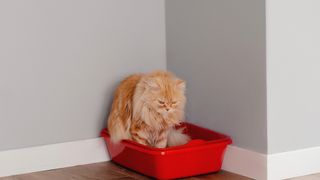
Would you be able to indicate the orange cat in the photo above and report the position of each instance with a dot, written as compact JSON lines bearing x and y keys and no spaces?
{"x":145,"y":109}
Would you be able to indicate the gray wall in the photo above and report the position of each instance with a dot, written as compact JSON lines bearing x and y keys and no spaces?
{"x":219,"y":48}
{"x":61,"y":59}
{"x":293,"y":74}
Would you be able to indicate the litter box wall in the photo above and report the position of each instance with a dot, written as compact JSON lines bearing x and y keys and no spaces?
{"x":219,"y":48}
{"x":60,"y":61}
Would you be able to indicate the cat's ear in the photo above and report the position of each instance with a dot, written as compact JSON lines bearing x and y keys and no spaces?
{"x":181,"y":84}
{"x":150,"y":83}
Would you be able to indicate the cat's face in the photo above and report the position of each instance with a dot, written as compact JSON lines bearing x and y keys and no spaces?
{"x":166,"y":106}
{"x":166,"y":96}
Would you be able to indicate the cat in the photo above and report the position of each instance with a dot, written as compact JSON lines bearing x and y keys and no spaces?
{"x":146,"y":108}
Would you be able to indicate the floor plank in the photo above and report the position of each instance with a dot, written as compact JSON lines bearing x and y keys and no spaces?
{"x":309,"y":177}
{"x":107,"y":170}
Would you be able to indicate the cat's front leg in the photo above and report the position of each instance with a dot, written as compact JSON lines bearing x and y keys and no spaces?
{"x":140,"y":136}
{"x":162,"y":143}
{"x":162,"y":140}
{"x":139,"y":139}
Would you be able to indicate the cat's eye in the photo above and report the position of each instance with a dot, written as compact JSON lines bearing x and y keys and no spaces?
{"x":161,"y":102}
{"x":174,"y":102}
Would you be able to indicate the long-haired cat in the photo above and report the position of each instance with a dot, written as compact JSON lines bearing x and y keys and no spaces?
{"x":145,"y":109}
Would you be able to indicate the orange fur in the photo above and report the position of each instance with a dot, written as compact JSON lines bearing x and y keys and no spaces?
{"x":146,"y":107}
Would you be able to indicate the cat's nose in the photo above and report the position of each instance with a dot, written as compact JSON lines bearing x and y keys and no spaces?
{"x":167,"y":109}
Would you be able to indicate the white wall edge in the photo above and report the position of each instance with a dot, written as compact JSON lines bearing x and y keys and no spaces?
{"x":245,"y":162}
{"x":53,"y":156}
{"x":294,"y":163}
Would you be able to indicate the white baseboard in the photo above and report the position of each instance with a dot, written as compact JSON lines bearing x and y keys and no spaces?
{"x":294,"y":163}
{"x":244,"y":162}
{"x":237,"y":160}
{"x":276,"y":166}
{"x":26,"y":160}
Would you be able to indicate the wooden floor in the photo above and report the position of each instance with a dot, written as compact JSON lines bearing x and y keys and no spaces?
{"x":106,"y":171}
{"x":310,"y":177}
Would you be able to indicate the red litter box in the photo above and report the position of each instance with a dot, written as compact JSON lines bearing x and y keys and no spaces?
{"x":203,"y":154}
